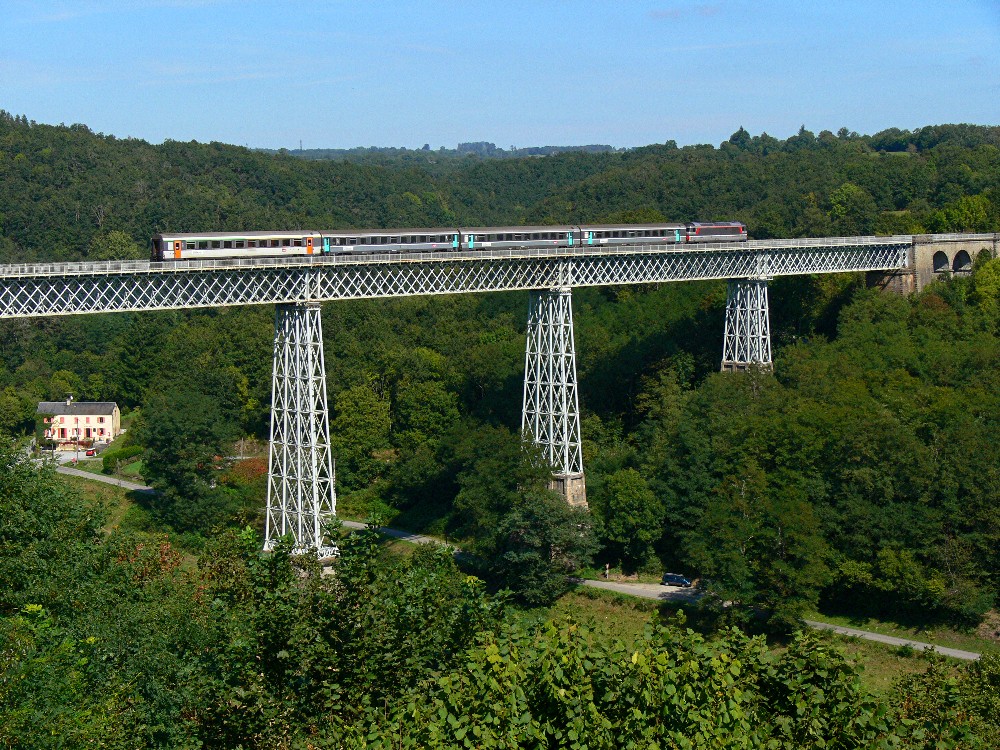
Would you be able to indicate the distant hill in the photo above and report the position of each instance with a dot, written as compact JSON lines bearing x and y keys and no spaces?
{"x":481,"y":149}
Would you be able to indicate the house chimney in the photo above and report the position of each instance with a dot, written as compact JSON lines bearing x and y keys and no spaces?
{"x":69,"y":399}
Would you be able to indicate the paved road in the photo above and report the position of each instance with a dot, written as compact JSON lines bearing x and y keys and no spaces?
{"x":893,"y":641}
{"x":645,"y":590}
{"x":674,"y":593}
{"x":406,"y":536}
{"x":124,"y":483}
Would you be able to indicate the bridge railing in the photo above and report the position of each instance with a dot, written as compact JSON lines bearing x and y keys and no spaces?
{"x":957,"y":237}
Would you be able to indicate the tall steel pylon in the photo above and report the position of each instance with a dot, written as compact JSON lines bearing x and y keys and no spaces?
{"x":551,"y":409}
{"x":747,"y":340}
{"x":300,"y":488}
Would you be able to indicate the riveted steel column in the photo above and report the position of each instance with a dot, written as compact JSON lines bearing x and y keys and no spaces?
{"x":551,"y":410}
{"x":300,"y":479}
{"x":747,"y":340}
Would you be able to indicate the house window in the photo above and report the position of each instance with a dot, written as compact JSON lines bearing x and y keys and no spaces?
{"x":62,"y":420}
{"x":100,"y":420}
{"x":88,"y":420}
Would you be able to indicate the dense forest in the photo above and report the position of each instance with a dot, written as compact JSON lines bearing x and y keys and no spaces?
{"x":860,"y":476}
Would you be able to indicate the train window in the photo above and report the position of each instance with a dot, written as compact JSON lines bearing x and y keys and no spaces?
{"x":189,"y":246}
{"x":216,"y":244}
{"x":202,"y":244}
{"x":275,"y":243}
{"x":239,"y":243}
{"x":297,"y":243}
{"x":228,"y":244}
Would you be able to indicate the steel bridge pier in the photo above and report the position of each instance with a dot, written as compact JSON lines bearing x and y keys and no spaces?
{"x":301,"y":496}
{"x":747,"y":338}
{"x":551,"y":409}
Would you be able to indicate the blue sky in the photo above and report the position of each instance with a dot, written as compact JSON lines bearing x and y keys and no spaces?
{"x":563,"y":72}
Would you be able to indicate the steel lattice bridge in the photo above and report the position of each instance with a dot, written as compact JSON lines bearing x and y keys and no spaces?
{"x":301,"y":494}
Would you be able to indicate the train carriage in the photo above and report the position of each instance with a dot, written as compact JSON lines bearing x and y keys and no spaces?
{"x":632,"y":234}
{"x":214,"y":245}
{"x":477,"y":238}
{"x":390,"y":240}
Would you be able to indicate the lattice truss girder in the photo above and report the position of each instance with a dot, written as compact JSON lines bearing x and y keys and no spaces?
{"x":28,"y":291}
{"x":300,"y":490}
{"x":747,"y":339}
{"x":551,"y":409}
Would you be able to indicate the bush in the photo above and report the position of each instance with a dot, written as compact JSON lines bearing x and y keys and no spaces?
{"x":124,"y":455}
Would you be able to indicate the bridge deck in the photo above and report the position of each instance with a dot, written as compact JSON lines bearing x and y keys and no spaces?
{"x":115,"y":286}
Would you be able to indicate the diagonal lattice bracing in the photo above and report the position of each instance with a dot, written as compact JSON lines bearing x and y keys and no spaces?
{"x":747,"y":340}
{"x":300,"y":488}
{"x":66,"y":289}
{"x":551,"y":410}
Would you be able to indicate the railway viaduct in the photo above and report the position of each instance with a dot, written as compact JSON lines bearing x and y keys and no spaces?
{"x":301,"y":484}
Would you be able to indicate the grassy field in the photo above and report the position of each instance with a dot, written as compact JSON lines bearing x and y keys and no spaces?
{"x":881,"y":665}
{"x":115,"y":501}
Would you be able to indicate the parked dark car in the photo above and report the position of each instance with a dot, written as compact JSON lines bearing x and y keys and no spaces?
{"x":675,"y":579}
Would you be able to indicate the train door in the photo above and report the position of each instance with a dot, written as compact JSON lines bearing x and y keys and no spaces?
{"x":177,"y":249}
{"x":309,"y":245}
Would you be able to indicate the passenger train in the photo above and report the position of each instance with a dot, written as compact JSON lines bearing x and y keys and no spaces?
{"x":213,"y":245}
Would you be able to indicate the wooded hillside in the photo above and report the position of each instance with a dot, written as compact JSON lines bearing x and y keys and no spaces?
{"x":860,"y":475}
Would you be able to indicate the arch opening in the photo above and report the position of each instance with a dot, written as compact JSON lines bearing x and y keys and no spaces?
{"x":940,"y":262}
{"x":962,"y":262}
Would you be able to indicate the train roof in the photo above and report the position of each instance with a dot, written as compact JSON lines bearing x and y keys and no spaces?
{"x":626,"y":227}
{"x":230,"y":235}
{"x":520,"y":230}
{"x":393,"y":231}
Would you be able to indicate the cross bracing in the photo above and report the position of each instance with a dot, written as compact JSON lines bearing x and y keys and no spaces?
{"x":747,"y":338}
{"x":74,"y":288}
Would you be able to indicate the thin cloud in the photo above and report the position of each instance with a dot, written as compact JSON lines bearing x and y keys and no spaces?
{"x":685,"y":11}
{"x":61,"y":12}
